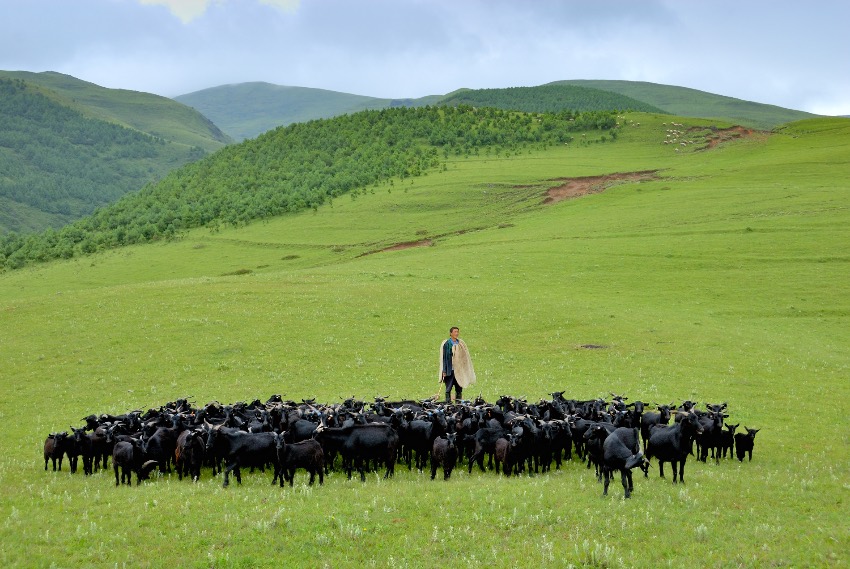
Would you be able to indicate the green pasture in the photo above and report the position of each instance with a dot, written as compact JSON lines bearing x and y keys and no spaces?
{"x":726,"y":278}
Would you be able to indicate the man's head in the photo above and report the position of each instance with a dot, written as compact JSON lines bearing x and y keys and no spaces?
{"x":453,"y":332}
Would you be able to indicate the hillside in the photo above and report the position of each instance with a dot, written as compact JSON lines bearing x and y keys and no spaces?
{"x":721,"y":275}
{"x":58,"y":164}
{"x":548,"y":98}
{"x":687,"y":102}
{"x":152,"y":114}
{"x":304,"y":165}
{"x":246,"y":110}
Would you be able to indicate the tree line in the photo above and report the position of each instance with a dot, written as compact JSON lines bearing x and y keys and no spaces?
{"x":297,"y":167}
{"x":549,"y":99}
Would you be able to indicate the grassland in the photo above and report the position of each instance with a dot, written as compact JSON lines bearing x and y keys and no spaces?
{"x":726,"y":279}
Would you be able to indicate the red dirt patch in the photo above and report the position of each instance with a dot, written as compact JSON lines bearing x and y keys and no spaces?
{"x":407,"y":245}
{"x":577,"y":187}
{"x":725,"y":134}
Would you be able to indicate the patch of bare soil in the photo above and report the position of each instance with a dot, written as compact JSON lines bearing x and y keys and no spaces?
{"x":407,"y":245}
{"x":720,"y":135}
{"x":577,"y":187}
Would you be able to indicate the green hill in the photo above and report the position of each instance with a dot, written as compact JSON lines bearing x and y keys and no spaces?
{"x":548,"y":98}
{"x":58,"y":164}
{"x":303,"y":166}
{"x":245,"y":110}
{"x":152,"y":114}
{"x":687,"y":102}
{"x":718,"y":275}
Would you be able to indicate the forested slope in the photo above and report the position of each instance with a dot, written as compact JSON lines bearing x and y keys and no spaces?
{"x":58,"y":164}
{"x":548,"y":98}
{"x":301,"y":166}
{"x":682,"y":101}
{"x":152,"y":114}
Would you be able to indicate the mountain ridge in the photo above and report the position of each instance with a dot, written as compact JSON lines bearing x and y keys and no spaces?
{"x":232,"y":108}
{"x":146,"y":112}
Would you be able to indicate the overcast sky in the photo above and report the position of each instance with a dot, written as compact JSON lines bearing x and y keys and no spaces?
{"x":791,"y":54}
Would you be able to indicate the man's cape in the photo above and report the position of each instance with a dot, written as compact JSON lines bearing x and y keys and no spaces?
{"x":461,"y":362}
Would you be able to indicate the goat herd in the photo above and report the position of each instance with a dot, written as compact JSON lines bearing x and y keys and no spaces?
{"x":285,"y":436}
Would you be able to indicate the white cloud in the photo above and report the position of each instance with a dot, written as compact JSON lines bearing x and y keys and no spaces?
{"x":186,"y":10}
{"x":189,"y":10}
{"x":285,"y":5}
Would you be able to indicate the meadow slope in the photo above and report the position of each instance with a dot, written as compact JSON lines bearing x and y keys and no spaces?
{"x":724,"y":279}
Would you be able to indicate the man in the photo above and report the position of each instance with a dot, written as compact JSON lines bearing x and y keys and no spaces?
{"x":455,"y":365}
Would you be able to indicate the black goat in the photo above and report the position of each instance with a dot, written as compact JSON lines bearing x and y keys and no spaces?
{"x":303,"y":454}
{"x":727,"y":440}
{"x":101,"y":448}
{"x":189,"y":455}
{"x":54,"y":449}
{"x":506,"y":453}
{"x":563,"y":442}
{"x":710,"y":439}
{"x":422,"y":434}
{"x":621,"y":451}
{"x":485,"y":442}
{"x":80,"y":445}
{"x":744,"y":443}
{"x":359,"y":444}
{"x":444,"y":453}
{"x":594,"y":440}
{"x":651,"y":418}
{"x":128,"y":457}
{"x":241,"y":449}
{"x":673,"y":444}
{"x":162,"y":444}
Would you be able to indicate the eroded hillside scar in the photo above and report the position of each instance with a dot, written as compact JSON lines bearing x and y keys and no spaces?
{"x":577,"y":187}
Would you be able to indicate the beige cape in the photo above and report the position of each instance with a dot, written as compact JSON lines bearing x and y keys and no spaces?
{"x":461,"y":362}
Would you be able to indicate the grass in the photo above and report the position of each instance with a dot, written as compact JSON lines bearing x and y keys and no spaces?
{"x":724,"y":280}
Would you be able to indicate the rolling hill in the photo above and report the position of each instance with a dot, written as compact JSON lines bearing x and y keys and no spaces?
{"x":68,"y":147}
{"x":145,"y":112}
{"x":687,"y":102}
{"x":304,"y":165}
{"x":245,"y":110}
{"x":548,"y":98}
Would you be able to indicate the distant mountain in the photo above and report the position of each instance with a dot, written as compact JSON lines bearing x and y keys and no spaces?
{"x":686,"y":102}
{"x":145,"y":112}
{"x":548,"y":98}
{"x":60,"y":159}
{"x":245,"y":110}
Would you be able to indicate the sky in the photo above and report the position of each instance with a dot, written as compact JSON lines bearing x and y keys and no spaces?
{"x":791,"y":54}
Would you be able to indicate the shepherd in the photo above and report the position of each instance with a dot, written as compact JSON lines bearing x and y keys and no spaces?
{"x":455,"y":365}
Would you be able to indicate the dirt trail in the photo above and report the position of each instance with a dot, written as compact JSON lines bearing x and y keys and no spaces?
{"x":577,"y":187}
{"x":408,"y":245}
